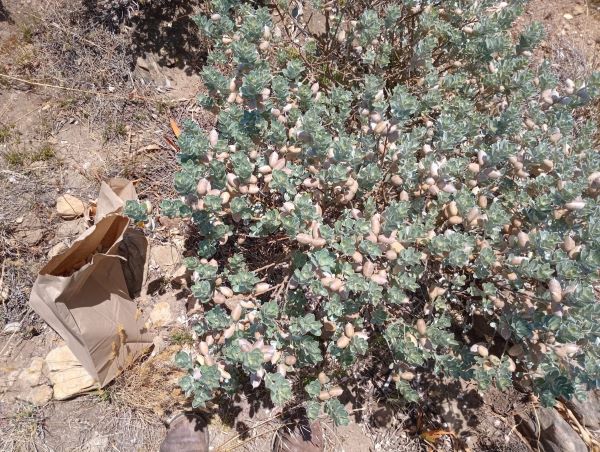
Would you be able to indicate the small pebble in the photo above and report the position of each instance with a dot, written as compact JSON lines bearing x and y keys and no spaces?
{"x":12,"y":327}
{"x":568,"y":16}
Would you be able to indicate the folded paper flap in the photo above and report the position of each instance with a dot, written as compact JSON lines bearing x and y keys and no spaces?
{"x":112,"y":197}
{"x":100,"y":238}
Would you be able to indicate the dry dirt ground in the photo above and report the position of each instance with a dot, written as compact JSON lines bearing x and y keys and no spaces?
{"x":104,"y":91}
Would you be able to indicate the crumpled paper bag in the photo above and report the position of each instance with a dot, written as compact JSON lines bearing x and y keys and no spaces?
{"x":85,"y":294}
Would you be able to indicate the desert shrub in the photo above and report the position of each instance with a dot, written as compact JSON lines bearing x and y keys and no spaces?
{"x":396,"y":182}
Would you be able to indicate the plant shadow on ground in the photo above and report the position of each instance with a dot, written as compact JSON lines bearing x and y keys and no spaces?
{"x":164,"y":28}
{"x":4,"y":15}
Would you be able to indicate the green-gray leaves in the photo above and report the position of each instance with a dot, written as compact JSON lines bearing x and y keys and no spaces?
{"x":333,"y":204}
{"x":306,"y":325}
{"x":337,"y":412}
{"x":279,"y":387}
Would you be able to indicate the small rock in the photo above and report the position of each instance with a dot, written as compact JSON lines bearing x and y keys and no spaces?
{"x":8,"y":376}
{"x":32,"y":376}
{"x":166,"y":257}
{"x":38,"y":395}
{"x":57,"y":249}
{"x":159,"y":345}
{"x":97,"y":443}
{"x":161,"y":314}
{"x":30,"y":230}
{"x":12,"y":327}
{"x":568,"y":16}
{"x":548,"y":431}
{"x":70,"y":229}
{"x":578,"y":10}
{"x":69,"y":207}
{"x":588,"y":411}
{"x":19,"y":220}
{"x":67,"y":375}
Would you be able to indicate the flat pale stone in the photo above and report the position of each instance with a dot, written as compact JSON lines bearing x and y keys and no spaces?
{"x":69,"y":207}
{"x":161,"y":314}
{"x":166,"y":257}
{"x":57,"y":249}
{"x":67,"y":375}
{"x":32,"y":376}
{"x":38,"y":395}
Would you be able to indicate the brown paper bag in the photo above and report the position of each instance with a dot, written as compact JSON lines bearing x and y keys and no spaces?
{"x":85,"y":295}
{"x":112,"y":197}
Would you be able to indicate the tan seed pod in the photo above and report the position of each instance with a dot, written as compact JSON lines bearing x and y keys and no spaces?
{"x":376,"y":224}
{"x":380,"y":280}
{"x":336,"y":392}
{"x":357,"y":257}
{"x":229,"y":332}
{"x":368,"y":269}
{"x":290,"y":360}
{"x":327,"y":281}
{"x":452,"y":209}
{"x":555,"y":290}
{"x":273,"y":159}
{"x":396,"y":180}
{"x":203,"y":346}
{"x":261,"y":288}
{"x":568,"y":243}
{"x":547,"y":165}
{"x":482,"y":351}
{"x":265,"y":169}
{"x":575,"y":205}
{"x":396,"y":246}
{"x":275,"y":358}
{"x":226,"y":291}
{"x":323,"y":379}
{"x":349,"y":330}
{"x":391,"y":255}
{"x":473,"y":215}
{"x":343,"y":342}
{"x":282,"y":369}
{"x":236,"y":313}
{"x":455,"y":220}
{"x":523,"y":239}
{"x":498,"y":303}
{"x":219,"y":298}
{"x":324,"y":395}
{"x":305,"y":239}
{"x":247,"y":304}
{"x":407,"y":376}
{"x":473,"y":167}
{"x":203,"y":186}
{"x":435,"y":292}
{"x":421,"y":327}
{"x":336,"y":285}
